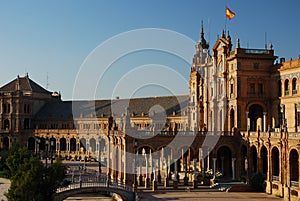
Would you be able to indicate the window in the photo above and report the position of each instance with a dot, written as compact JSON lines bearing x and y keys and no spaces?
{"x":298,"y":118}
{"x":294,"y":86}
{"x":286,"y":87}
{"x":238,"y":65}
{"x":231,"y":88}
{"x":260,"y":88}
{"x":252,"y":88}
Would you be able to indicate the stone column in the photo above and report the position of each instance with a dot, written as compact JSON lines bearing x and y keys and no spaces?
{"x":124,"y":164}
{"x":158,"y":171}
{"x":247,"y":123}
{"x":215,"y":166}
{"x":208,"y":160}
{"x":154,"y":182}
{"x":195,"y":174}
{"x":222,"y":165}
{"x":147,"y":179}
{"x":166,"y":184}
{"x":175,"y":181}
{"x":108,"y":160}
{"x":264,"y":122}
{"x":233,"y":168}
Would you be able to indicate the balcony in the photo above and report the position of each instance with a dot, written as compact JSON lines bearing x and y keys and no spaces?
{"x":4,"y":131}
{"x":286,"y":93}
{"x":295,"y":184}
{"x":294,"y":91}
{"x":275,"y":178}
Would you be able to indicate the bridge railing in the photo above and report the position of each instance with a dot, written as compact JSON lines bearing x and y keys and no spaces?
{"x":100,"y":184}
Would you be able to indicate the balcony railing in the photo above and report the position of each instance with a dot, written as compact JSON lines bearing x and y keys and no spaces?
{"x":286,"y":93}
{"x":275,"y":178}
{"x":295,"y":184}
{"x":4,"y":130}
{"x":294,"y":91}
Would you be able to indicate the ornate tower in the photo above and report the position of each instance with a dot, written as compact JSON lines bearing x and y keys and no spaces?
{"x":200,"y":61}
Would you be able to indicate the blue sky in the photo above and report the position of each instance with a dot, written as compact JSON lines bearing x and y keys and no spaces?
{"x":55,"y":37}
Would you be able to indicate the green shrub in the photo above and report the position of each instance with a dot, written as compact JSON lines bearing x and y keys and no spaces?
{"x":258,"y":182}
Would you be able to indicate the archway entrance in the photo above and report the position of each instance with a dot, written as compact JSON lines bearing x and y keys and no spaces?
{"x":253,"y":159}
{"x":264,"y":160}
{"x":256,"y":117}
{"x":275,"y":164}
{"x":224,"y":162}
{"x":294,"y":168}
{"x":31,"y":144}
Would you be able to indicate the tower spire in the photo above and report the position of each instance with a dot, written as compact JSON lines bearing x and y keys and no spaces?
{"x":202,"y":42}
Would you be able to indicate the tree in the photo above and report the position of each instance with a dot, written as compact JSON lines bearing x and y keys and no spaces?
{"x":30,"y":179}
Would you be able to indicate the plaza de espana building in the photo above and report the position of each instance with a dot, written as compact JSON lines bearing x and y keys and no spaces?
{"x":248,"y":98}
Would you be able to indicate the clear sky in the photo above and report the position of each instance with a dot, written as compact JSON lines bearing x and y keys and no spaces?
{"x":55,"y":37}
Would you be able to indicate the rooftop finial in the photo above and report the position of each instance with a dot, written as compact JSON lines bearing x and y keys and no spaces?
{"x":238,"y":43}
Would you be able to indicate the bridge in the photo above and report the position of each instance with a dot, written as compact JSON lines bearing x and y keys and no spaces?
{"x":123,"y":191}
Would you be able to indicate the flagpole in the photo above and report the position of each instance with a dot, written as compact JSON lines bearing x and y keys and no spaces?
{"x":225,"y":20}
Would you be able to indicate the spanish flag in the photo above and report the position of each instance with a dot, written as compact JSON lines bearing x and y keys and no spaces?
{"x":229,"y":13}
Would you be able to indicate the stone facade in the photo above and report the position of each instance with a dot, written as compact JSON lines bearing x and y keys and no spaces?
{"x":241,"y":117}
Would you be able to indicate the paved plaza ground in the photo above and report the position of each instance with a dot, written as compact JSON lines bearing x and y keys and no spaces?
{"x":206,"y":196}
{"x":169,"y":195}
{"x":4,"y":186}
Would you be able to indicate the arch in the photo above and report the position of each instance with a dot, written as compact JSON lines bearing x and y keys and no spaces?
{"x":286,"y":87}
{"x":93,"y":145}
{"x":31,"y":144}
{"x":264,"y":160}
{"x":294,"y":166}
{"x":256,"y":117}
{"x":6,"y":124}
{"x":275,"y":161}
{"x":253,"y":155}
{"x":73,"y":144}
{"x":63,"y":144}
{"x":224,"y":158}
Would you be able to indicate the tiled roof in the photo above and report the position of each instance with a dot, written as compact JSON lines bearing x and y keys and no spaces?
{"x":166,"y":105}
{"x":25,"y":84}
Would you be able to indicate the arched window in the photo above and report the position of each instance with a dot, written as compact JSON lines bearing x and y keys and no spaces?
{"x":294,"y":86}
{"x":286,"y":87}
{"x":275,"y":164}
{"x":6,"y":124}
{"x":294,"y":168}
